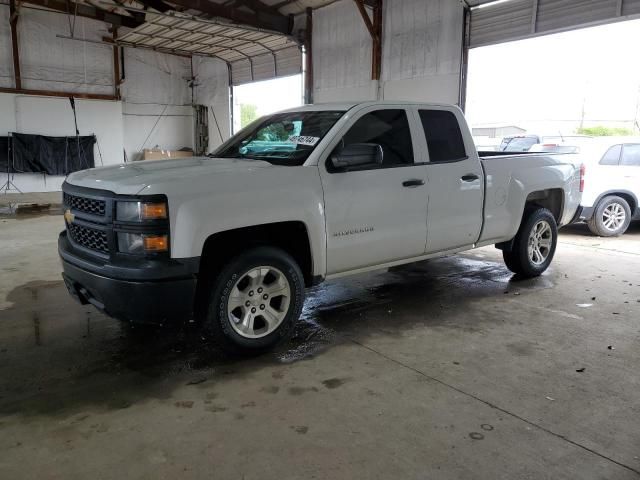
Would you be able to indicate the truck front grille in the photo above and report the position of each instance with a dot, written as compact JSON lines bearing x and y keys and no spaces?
{"x":89,"y":237}
{"x":91,"y":206}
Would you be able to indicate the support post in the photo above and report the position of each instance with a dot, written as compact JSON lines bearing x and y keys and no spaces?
{"x":308,"y":65}
{"x":13,"y":21}
{"x":375,"y":30}
{"x":464,"y":58}
{"x":376,"y":61}
{"x":116,"y":64}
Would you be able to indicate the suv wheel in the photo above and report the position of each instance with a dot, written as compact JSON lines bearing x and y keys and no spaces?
{"x":534,"y":245}
{"x":611,"y":217}
{"x":254,"y":301}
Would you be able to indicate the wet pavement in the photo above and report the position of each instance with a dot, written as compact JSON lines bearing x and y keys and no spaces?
{"x":451,"y":368}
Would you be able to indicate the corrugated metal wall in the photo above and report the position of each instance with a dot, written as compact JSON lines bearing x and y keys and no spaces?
{"x":518,"y":19}
{"x":264,"y":67}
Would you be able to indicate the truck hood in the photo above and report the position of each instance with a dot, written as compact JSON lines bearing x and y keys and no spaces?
{"x":132,"y":178}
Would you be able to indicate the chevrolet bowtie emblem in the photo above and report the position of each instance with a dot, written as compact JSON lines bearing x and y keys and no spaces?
{"x":68,"y":216}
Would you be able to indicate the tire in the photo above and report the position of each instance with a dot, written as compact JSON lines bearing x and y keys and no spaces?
{"x":611,"y":217}
{"x":536,"y":224}
{"x":241,"y":317}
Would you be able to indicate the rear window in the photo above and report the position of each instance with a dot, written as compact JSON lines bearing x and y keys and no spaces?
{"x":612,"y":156}
{"x":444,"y":138}
{"x":631,"y":155}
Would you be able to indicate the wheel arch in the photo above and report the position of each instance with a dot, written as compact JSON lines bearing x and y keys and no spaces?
{"x":630,"y":197}
{"x":290,"y":236}
{"x":552,"y":199}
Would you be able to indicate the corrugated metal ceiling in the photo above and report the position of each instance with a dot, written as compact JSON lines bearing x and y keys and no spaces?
{"x":227,"y":42}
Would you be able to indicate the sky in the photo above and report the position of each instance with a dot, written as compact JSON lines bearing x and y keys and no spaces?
{"x":545,"y":81}
{"x":541,"y":84}
{"x":283,"y":92}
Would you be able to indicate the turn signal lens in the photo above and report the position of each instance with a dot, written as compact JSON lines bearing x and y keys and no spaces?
{"x":154,"y":211}
{"x":141,"y":211}
{"x":155,"y":243}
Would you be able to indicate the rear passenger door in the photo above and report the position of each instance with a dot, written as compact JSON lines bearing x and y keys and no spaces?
{"x":455,"y":184}
{"x":375,"y":214}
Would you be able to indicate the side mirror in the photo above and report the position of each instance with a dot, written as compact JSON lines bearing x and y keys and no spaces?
{"x":358,"y":155}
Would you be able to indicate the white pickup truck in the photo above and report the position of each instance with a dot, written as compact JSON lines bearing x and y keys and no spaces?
{"x":298,"y":197}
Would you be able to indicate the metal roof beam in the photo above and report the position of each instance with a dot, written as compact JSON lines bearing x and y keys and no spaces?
{"x":271,"y":21}
{"x":87,"y":11}
{"x":158,"y":5}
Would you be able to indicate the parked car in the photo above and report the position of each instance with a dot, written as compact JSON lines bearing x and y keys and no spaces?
{"x":569,"y":146}
{"x":233,"y":240}
{"x":523,"y":143}
{"x":612,"y":185}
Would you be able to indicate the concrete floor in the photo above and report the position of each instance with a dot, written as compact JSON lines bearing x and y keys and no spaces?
{"x":448,"y":369}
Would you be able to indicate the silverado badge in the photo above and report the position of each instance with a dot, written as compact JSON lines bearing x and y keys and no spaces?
{"x":68,"y":216}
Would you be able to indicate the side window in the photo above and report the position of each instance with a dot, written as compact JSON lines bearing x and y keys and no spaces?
{"x":444,"y":138}
{"x":387,"y":128}
{"x":612,"y":157}
{"x":631,"y":155}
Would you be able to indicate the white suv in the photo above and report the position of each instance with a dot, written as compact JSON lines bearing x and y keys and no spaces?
{"x":612,"y":185}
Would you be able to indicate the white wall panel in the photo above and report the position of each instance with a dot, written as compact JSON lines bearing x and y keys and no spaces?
{"x":212,"y":77}
{"x":435,"y":88}
{"x":341,"y":52}
{"x":421,"y":52}
{"x":51,"y":63}
{"x":6,"y":60}
{"x":156,"y":102}
{"x":155,"y":77}
{"x":421,"y":39}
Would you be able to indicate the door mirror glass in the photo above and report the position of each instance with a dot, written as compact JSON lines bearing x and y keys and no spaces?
{"x":358,"y":155}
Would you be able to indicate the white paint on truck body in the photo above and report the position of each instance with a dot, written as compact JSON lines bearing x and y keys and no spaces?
{"x":356,"y":220}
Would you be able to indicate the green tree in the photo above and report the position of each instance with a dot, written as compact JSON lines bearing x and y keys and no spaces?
{"x":248,"y":113}
{"x":602,"y":131}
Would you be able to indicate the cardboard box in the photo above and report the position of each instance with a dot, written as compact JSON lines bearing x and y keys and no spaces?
{"x":157,"y":154}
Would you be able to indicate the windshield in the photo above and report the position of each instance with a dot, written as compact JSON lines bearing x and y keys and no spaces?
{"x":281,"y":139}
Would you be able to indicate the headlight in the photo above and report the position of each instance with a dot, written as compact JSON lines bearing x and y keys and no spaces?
{"x":141,"y":211}
{"x":138,"y":243}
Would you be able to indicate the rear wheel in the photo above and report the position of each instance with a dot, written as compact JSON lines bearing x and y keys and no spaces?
{"x":611,"y":217}
{"x":534,"y":245}
{"x":254,"y":301}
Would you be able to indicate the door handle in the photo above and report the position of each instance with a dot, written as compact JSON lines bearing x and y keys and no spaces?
{"x":416,"y":182}
{"x":470,"y":177}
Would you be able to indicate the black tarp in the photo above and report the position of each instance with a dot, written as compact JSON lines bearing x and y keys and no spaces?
{"x":51,"y":155}
{"x":4,"y":153}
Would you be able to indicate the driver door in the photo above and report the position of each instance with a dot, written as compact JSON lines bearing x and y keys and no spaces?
{"x":376,"y":213}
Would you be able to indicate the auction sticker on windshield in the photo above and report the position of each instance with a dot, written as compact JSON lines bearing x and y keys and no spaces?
{"x":304,"y":140}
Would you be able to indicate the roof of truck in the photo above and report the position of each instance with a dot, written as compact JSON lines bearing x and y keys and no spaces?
{"x":344,"y":106}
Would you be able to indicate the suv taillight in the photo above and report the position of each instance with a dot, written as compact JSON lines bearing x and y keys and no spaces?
{"x":582,"y":171}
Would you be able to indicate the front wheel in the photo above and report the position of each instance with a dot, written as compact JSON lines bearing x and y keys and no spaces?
{"x":534,"y":245}
{"x":254,"y":301}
